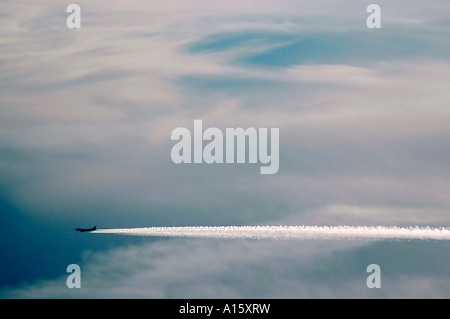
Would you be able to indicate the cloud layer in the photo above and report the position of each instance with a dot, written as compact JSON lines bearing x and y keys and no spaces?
{"x":86,"y":117}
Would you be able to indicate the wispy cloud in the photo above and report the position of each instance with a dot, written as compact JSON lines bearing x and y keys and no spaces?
{"x":86,"y":117}
{"x":250,"y":269}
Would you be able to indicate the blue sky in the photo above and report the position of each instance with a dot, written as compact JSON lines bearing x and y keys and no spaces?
{"x":86,"y":117}
{"x":355,"y":47}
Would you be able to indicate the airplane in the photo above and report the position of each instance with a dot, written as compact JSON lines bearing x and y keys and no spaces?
{"x":86,"y":230}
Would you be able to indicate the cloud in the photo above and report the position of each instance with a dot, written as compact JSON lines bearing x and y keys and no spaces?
{"x":86,"y":118}
{"x":248,"y":269}
{"x":96,"y":113}
{"x":95,"y":109}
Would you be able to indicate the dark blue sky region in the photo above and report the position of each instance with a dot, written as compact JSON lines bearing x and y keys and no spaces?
{"x":359,"y":47}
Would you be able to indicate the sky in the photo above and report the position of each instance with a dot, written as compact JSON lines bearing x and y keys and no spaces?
{"x":86,"y":117}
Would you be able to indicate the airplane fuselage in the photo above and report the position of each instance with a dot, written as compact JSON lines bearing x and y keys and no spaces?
{"x":86,"y":229}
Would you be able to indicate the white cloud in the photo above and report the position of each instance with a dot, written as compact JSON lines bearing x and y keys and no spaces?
{"x":229,"y":269}
{"x":184,"y":269}
{"x":93,"y":109}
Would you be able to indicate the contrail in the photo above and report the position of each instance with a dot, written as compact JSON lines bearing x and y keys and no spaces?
{"x":287,"y":232}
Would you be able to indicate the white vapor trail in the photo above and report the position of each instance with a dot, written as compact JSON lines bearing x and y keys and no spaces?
{"x":287,"y":232}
